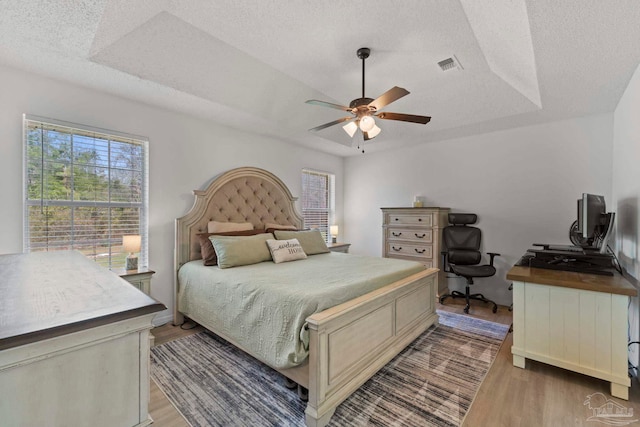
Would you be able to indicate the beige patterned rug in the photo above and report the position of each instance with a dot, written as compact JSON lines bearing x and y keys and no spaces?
{"x":431,"y":383}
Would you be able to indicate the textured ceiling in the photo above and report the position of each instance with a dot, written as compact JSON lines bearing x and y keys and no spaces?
{"x":252,"y":64}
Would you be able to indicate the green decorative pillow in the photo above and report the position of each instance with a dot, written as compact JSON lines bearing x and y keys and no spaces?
{"x":311,"y":240}
{"x":285,"y":250}
{"x":206,"y":248}
{"x":234,"y":251}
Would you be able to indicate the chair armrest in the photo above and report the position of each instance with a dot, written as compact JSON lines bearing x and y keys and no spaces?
{"x":492,"y":255}
{"x":444,"y":261}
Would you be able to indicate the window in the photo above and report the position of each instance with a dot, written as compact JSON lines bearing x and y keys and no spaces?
{"x":318,"y":200}
{"x":84,"y":188}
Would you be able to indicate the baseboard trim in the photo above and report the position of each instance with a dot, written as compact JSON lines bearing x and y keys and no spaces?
{"x":162,"y":318}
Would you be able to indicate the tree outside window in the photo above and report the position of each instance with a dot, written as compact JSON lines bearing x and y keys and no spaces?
{"x":84,"y":190}
{"x":318,"y":200}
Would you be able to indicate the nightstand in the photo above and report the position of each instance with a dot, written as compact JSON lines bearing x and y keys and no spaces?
{"x":141,"y":279}
{"x":339,"y":247}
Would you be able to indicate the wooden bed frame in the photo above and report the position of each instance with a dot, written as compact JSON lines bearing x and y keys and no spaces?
{"x":350,"y":342}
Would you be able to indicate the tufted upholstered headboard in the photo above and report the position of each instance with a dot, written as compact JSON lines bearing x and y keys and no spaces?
{"x":240,"y":195}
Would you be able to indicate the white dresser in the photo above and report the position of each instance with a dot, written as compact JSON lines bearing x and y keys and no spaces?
{"x":74,"y":347}
{"x":415,"y":234}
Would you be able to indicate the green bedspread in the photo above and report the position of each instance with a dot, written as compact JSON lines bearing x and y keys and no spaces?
{"x":263,"y":307}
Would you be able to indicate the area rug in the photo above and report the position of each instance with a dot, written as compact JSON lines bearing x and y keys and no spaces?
{"x":431,"y":383}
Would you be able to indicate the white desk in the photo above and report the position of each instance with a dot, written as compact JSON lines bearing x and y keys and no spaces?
{"x":574,"y":321}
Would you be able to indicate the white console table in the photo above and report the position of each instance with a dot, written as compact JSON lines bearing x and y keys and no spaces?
{"x":575,"y":321}
{"x":74,"y":343}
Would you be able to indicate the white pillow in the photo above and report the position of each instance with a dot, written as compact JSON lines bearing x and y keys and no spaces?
{"x":225,"y":227}
{"x":285,"y":250}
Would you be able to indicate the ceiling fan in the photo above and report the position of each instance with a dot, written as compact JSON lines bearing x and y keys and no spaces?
{"x":363,"y":110}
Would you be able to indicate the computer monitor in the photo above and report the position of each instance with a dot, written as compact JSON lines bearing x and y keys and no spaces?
{"x":594,"y":223}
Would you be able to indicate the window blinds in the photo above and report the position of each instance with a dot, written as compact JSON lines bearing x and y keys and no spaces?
{"x":84,"y":188}
{"x":317,"y":200}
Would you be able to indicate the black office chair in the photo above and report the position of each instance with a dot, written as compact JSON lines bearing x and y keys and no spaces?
{"x":462,"y":253}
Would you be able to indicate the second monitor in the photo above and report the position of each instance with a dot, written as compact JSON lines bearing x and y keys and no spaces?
{"x":594,"y":225}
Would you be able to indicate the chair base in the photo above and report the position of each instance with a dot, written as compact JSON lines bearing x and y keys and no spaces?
{"x":468,"y":296}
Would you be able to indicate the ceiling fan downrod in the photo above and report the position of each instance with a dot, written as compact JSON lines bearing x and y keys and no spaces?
{"x":363,"y":53}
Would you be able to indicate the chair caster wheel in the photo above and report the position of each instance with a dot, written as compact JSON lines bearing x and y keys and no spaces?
{"x":290,"y":384}
{"x":466,"y":309}
{"x":303,"y":393}
{"x":495,"y":309}
{"x":441,"y":300}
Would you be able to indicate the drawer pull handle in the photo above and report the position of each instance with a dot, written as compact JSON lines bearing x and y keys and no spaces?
{"x":396,"y":219}
{"x":419,"y":219}
{"x":420,"y":251}
{"x":396,"y":249}
{"x":420,"y":237}
{"x":396,"y":234}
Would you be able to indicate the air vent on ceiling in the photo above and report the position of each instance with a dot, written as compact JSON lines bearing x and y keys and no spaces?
{"x":450,"y":64}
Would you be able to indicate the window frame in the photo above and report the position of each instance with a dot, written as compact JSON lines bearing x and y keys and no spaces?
{"x":80,"y":130}
{"x":331,"y":196}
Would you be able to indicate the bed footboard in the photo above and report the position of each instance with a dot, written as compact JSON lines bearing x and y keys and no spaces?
{"x":350,"y":342}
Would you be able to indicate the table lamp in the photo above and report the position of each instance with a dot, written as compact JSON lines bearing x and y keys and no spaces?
{"x":131,"y":244}
{"x":333,"y":230}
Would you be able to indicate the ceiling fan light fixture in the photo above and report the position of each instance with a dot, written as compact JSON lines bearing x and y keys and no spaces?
{"x":375,"y":130}
{"x":363,"y":109}
{"x":350,"y":128}
{"x":367,"y":123}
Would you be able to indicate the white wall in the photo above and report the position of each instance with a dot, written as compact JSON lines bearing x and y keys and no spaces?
{"x":626,"y":193}
{"x":523,"y":184}
{"x":185,"y":153}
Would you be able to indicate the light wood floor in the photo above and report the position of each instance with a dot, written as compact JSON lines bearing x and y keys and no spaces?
{"x":537,"y":396}
{"x":164,"y":414}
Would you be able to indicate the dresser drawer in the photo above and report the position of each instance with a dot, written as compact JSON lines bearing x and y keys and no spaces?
{"x":412,"y":250}
{"x":423,"y":219}
{"x":411,"y":235}
{"x":415,"y":234}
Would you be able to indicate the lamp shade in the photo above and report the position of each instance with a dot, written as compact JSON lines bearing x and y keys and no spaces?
{"x":333,"y":230}
{"x":350,"y":128}
{"x":375,"y":130}
{"x":131,"y":243}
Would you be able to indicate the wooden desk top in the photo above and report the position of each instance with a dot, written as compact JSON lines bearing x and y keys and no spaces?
{"x":615,"y":284}
{"x":48,"y":294}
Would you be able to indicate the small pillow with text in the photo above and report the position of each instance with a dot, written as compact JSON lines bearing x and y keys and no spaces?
{"x":285,"y":250}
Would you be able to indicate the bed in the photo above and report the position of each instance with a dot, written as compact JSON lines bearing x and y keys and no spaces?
{"x":342,"y":341}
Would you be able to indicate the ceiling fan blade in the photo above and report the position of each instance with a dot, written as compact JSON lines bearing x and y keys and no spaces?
{"x":335,"y":122}
{"x":388,"y":97}
{"x":328,"y":104}
{"x":404,"y":117}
